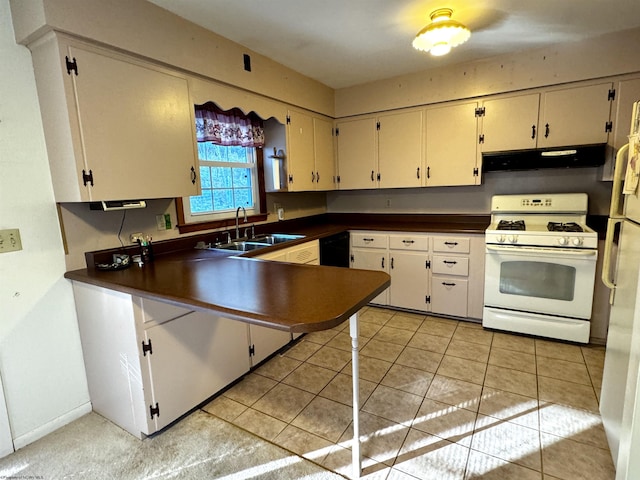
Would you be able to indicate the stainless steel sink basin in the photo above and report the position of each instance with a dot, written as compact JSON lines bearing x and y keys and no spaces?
{"x":261,"y":241}
{"x":275,"y":238}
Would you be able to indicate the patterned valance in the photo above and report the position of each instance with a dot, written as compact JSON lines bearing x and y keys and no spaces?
{"x":231,"y":127}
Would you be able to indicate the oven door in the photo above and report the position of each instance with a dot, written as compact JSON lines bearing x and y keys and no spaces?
{"x":552,"y":281}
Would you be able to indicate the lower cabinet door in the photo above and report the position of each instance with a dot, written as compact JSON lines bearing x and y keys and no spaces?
{"x":192,"y":358}
{"x":449,"y":296}
{"x":372,"y":259}
{"x":264,"y":341}
{"x":409,"y":280}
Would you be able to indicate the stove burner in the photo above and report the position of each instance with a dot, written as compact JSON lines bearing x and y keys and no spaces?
{"x":564,"y":227}
{"x":511,"y":225}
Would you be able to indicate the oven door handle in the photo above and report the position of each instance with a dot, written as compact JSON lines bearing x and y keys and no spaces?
{"x":606,"y":261}
{"x":547,"y":251}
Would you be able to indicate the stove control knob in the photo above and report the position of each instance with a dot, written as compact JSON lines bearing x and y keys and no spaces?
{"x":563,"y":240}
{"x":512,"y":238}
{"x":577,"y":241}
{"x":500,"y":238}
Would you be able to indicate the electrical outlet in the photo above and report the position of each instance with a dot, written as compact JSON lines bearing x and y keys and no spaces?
{"x":10,"y":240}
{"x":160,"y":222}
{"x":134,"y":237}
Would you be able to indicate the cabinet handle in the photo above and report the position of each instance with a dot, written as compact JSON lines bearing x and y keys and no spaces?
{"x":533,"y":132}
{"x":382,"y":262}
{"x":453,"y":244}
{"x":352,"y":259}
{"x":372,"y":175}
{"x":446,"y":284}
{"x":408,"y":242}
{"x":368,"y":239}
{"x":418,"y":172}
{"x":378,"y":177}
{"x":313,"y":177}
{"x":391,"y":262}
{"x":193,"y":176}
{"x":546,"y":130}
{"x":317,"y":176}
{"x":428,"y":172}
{"x":449,"y":262}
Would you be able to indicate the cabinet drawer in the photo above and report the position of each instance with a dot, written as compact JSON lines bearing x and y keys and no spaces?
{"x":368,"y":239}
{"x":451,"y":244}
{"x":306,"y":253}
{"x":449,"y":296}
{"x":409,"y":242}
{"x":450,"y":265}
{"x":158,"y":312}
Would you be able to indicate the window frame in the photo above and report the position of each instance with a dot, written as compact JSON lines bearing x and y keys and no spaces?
{"x":259,"y":215}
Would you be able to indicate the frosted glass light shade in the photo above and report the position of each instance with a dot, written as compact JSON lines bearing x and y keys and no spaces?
{"x":442,"y":34}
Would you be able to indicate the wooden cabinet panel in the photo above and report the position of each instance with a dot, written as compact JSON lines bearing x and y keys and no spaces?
{"x":324,"y":154}
{"x":369,"y":240}
{"x":449,"y":296}
{"x":452,"y":145}
{"x":300,"y":158}
{"x":409,"y":280}
{"x":575,"y":116}
{"x":400,"y":149}
{"x":127,"y":123}
{"x":265,"y":341}
{"x":450,"y":265}
{"x":409,"y":241}
{"x":451,"y":244}
{"x":193,"y":357}
{"x":510,"y":123}
{"x":357,"y":147}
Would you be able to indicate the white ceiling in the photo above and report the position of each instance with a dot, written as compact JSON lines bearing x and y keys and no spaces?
{"x":348,"y":42}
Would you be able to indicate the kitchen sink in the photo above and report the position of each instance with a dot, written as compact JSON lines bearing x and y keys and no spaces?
{"x":258,"y":242}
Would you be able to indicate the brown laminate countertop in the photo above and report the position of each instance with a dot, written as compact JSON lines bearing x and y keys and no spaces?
{"x":291,"y":297}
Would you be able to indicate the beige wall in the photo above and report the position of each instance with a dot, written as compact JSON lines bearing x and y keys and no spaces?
{"x":606,"y":56}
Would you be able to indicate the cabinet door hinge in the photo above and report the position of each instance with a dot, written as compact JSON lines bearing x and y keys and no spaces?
{"x":87,"y":177}
{"x":427,"y":299}
{"x":71,"y":65}
{"x":154,"y":410}
{"x":481,"y":138}
{"x":427,"y":264}
{"x":612,"y":94}
{"x":475,"y":172}
{"x":252,"y":350}
{"x":338,"y":178}
{"x":352,"y":258}
{"x":377,"y":125}
{"x":288,"y":120}
{"x":480,"y":111}
{"x":608,"y":127}
{"x":147,"y":347}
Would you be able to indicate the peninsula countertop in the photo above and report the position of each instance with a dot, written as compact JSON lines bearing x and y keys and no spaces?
{"x":285,"y":296}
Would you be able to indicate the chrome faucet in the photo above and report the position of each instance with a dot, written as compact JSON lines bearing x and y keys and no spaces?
{"x":245,"y":220}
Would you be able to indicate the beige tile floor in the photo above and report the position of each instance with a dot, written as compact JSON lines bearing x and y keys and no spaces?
{"x":440,"y":399}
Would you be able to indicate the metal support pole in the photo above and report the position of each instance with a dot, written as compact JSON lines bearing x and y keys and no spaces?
{"x":355,"y":448}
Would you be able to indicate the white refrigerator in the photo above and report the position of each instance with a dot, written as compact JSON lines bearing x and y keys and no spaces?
{"x":620,"y":396}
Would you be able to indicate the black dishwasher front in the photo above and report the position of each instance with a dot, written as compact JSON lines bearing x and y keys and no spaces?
{"x":334,"y":250}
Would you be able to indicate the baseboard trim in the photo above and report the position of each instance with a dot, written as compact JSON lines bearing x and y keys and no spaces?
{"x":52,"y":426}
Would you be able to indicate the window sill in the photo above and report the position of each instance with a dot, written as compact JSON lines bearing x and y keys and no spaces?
{"x":211,"y":225}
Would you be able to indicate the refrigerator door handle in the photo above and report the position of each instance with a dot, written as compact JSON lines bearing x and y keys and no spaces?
{"x":618,"y":178}
{"x":606,"y":261}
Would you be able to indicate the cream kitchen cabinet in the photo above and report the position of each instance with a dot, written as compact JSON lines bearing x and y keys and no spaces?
{"x":452,"y":153}
{"x":409,"y":264}
{"x":381,"y":152}
{"x":310,"y":159}
{"x":457,"y":275}
{"x":573,"y":115}
{"x":115,"y":127}
{"x":370,"y":251}
{"x":149,"y":362}
{"x":627,"y":92}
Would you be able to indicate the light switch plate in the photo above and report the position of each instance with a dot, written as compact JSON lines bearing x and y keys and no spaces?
{"x":10,"y":240}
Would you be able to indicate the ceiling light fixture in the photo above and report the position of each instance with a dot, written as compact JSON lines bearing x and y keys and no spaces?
{"x":442,"y":34}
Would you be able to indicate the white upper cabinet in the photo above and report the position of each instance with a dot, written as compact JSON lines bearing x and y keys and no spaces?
{"x":310,"y":159}
{"x":115,"y":128}
{"x":575,"y":116}
{"x":452,"y":145}
{"x":383,"y":151}
{"x":400,"y":149}
{"x":325,"y":177}
{"x":357,"y":142}
{"x":510,"y":123}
